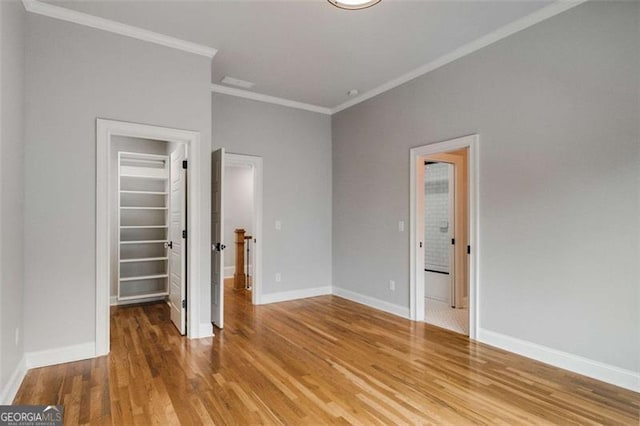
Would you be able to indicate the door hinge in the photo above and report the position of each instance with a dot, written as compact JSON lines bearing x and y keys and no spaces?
{"x":184,"y":164}
{"x":453,"y":241}
{"x":184,"y":234}
{"x":468,"y":249}
{"x":184,"y":304}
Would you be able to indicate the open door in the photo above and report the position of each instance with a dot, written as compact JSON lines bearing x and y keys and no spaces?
{"x":438,"y":231}
{"x":177,"y":239}
{"x":452,"y":234}
{"x":217,"y":238}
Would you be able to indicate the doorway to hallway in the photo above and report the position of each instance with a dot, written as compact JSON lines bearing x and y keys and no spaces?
{"x":236,"y":225}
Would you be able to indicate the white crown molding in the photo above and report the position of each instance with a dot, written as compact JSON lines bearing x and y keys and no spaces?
{"x":497,"y":35}
{"x":80,"y":18}
{"x":232,"y":91}
{"x":57,"y":12}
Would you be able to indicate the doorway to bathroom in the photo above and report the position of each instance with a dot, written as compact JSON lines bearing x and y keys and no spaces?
{"x":443,"y":237}
{"x":446,"y":240}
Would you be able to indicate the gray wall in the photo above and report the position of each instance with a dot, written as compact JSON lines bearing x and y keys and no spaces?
{"x":74,"y":75}
{"x":556,"y":107}
{"x":238,"y":209}
{"x":11,"y":187}
{"x":296,"y":150}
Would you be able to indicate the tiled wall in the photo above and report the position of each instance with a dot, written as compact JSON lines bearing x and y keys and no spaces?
{"x":437,"y":242}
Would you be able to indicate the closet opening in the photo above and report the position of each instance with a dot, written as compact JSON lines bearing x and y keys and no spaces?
{"x":148,"y":223}
{"x":148,"y":253}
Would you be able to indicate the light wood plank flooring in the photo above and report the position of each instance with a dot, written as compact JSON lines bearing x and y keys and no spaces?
{"x":314,"y":361}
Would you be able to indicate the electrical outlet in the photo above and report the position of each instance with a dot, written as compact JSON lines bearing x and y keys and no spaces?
{"x":17,"y":336}
{"x":392,"y":285}
{"x":278,"y":277}
{"x":278,"y":225}
{"x":401,"y":226}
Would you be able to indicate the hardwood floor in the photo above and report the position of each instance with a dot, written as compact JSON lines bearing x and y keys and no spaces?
{"x":314,"y":361}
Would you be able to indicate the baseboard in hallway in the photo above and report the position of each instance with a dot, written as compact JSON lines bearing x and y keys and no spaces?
{"x":372,"y":302}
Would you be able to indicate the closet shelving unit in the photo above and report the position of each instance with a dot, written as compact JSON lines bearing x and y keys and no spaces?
{"x":143,"y":222}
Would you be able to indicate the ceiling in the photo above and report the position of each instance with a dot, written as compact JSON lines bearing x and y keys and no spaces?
{"x":310,"y":51}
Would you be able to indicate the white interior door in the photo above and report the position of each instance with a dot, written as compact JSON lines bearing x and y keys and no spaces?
{"x":439,"y":232}
{"x":217,"y":238}
{"x":177,"y":240}
{"x":452,"y":236}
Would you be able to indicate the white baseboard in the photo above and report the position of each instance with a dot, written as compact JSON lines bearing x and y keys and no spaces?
{"x":294,"y":295}
{"x":372,"y":302}
{"x":229,"y":271}
{"x":113,"y":300}
{"x":587,"y":367}
{"x":60,"y":355}
{"x":205,"y":330}
{"x":11,"y":388}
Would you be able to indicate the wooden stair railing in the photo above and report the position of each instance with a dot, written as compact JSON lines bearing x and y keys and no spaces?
{"x":240,"y":277}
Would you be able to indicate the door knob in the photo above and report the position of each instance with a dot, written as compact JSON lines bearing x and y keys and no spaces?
{"x":218,"y":247}
{"x":168,"y":245}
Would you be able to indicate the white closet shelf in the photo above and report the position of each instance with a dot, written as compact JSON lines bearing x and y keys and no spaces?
{"x":144,"y":259}
{"x":144,"y":242}
{"x":139,"y":161}
{"x":143,"y":226}
{"x":126,"y":155}
{"x":141,"y":178}
{"x":143,"y":277}
{"x":143,"y":208}
{"x":143,"y":295}
{"x":123,"y":175}
{"x":125,"y":191}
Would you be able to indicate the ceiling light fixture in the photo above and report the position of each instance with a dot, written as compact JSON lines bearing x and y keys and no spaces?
{"x":354,"y":4}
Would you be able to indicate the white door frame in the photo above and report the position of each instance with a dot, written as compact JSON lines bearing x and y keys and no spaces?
{"x":416,"y":236}
{"x":256,"y":164}
{"x":105,"y":129}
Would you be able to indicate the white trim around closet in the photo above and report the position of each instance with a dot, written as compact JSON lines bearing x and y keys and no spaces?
{"x":105,"y":129}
